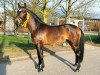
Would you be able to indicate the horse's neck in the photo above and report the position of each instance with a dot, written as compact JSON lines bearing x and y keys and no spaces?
{"x":32,"y":24}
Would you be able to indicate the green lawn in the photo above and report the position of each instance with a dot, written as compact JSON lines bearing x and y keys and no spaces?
{"x":11,"y":46}
{"x":11,"y":40}
{"x":6,"y":41}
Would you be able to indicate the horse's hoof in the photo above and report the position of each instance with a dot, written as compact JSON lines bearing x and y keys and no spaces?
{"x":40,"y":68}
{"x":78,"y":69}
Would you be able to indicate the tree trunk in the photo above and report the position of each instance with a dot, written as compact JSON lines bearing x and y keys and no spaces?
{"x":45,"y":16}
{"x":68,"y":8}
{"x":5,"y":17}
{"x":45,"y":11}
{"x":4,"y":27}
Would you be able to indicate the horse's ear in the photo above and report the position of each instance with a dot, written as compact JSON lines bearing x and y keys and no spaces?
{"x":19,"y":5}
{"x":25,"y":5}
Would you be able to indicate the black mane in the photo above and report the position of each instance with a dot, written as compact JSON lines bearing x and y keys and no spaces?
{"x":42,"y":23}
{"x":36,"y":17}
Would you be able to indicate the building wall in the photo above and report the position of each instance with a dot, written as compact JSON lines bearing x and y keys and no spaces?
{"x":93,"y":26}
{"x":90,"y":25}
{"x":10,"y":27}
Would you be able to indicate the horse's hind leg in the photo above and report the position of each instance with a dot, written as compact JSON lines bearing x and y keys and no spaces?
{"x":76,"y":51}
{"x":77,"y":62}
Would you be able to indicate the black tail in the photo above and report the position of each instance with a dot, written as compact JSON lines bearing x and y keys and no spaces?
{"x":81,"y":47}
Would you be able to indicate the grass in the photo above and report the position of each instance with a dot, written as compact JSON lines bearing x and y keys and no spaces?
{"x":11,"y":40}
{"x":11,"y":46}
{"x":8,"y":41}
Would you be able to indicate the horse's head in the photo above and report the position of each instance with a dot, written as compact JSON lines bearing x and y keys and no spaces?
{"x":22,"y":16}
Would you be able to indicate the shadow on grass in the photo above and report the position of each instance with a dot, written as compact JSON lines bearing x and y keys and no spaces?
{"x":4,"y":60}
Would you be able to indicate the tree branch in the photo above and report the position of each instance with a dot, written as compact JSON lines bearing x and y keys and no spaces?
{"x":55,"y":6}
{"x":83,"y":5}
{"x":74,"y":2}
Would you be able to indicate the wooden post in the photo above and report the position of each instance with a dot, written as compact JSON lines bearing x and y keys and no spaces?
{"x":83,"y":25}
{"x":28,"y":37}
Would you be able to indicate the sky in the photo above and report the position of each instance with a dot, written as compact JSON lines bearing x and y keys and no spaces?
{"x":1,"y":9}
{"x":95,"y":9}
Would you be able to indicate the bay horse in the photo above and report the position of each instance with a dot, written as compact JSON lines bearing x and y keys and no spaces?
{"x":43,"y":34}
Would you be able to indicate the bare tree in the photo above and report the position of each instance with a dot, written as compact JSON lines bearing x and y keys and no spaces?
{"x":3,"y":4}
{"x":13,"y":8}
{"x":72,"y":6}
{"x":47,"y":7}
{"x":12,"y":11}
{"x":10,"y":7}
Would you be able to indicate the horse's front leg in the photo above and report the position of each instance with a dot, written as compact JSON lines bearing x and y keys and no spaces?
{"x":40,"y":57}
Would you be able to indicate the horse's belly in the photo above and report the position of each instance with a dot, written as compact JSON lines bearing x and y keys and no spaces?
{"x":53,"y":40}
